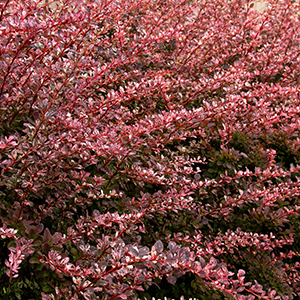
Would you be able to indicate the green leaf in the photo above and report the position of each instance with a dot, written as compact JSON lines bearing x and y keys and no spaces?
{"x":47,"y":288}
{"x":34,"y":260}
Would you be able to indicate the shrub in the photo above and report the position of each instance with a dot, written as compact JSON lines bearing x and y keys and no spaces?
{"x":143,"y":142}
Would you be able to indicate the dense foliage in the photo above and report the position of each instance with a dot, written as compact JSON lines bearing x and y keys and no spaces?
{"x":150,"y":142}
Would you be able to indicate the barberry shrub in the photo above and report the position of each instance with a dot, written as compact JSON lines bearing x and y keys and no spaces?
{"x":145,"y":142}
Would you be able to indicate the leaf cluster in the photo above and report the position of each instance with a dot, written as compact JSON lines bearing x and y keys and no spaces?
{"x":149,"y":143}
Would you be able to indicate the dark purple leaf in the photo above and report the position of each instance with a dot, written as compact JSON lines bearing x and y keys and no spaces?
{"x":159,"y":246}
{"x":46,"y":247}
{"x":133,"y":251}
{"x":171,"y":279}
{"x":27,"y":226}
{"x":241,"y":273}
{"x":39,"y":228}
{"x":47,"y":235}
{"x":172,"y":246}
{"x":144,"y":251}
{"x":202,"y":262}
{"x":140,"y":265}
{"x":202,"y":274}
